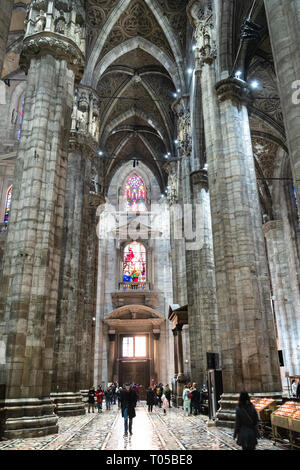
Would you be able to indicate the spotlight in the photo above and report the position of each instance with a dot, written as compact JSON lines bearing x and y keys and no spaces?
{"x":194,"y":47}
{"x":100,"y":153}
{"x":238,"y":73}
{"x":166,"y":156}
{"x":178,"y":91}
{"x":176,"y":141}
{"x":190,"y":71}
{"x":254,"y":84}
{"x":175,"y":95}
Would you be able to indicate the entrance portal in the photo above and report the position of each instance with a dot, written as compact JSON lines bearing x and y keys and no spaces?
{"x":137,"y":371}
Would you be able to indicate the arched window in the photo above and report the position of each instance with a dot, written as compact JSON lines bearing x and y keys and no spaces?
{"x":134,"y":263}
{"x":7,"y":204}
{"x":135,"y":194}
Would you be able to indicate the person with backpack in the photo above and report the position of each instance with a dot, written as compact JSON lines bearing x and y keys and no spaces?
{"x":108,"y":397}
{"x":99,"y":398}
{"x":91,"y":399}
{"x":186,"y":397}
{"x":246,"y":421}
{"x":150,"y":399}
{"x":167,"y":393}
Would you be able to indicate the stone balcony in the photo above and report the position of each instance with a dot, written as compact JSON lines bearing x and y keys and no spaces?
{"x":134,"y":286}
{"x":134,"y":293}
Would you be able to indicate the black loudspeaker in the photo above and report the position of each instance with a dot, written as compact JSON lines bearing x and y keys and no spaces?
{"x":212,"y":360}
{"x":280,"y":357}
{"x":2,"y":394}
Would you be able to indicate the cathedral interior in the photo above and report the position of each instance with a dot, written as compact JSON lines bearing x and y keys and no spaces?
{"x":149,"y":224}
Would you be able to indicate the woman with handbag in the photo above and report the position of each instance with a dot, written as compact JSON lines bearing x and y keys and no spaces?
{"x":246,"y":422}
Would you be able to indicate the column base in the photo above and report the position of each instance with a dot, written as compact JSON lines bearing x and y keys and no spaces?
{"x":68,"y":403}
{"x":229,"y":401}
{"x":28,"y":417}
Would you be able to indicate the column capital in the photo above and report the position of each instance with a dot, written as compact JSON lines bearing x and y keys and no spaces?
{"x":233,"y":89}
{"x":95,"y":200}
{"x":156,"y":334}
{"x":56,"y":29}
{"x":272,"y":226}
{"x":83,"y":144}
{"x":200,"y":178}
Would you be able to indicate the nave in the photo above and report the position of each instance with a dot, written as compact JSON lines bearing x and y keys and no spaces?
{"x":151,"y":431}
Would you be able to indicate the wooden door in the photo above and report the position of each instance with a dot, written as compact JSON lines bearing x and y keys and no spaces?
{"x":137,"y":372}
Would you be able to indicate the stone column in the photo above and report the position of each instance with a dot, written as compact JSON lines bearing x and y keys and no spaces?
{"x":6,"y":7}
{"x":82,"y":151}
{"x":176,"y":234}
{"x":284,"y":27}
{"x":156,"y":355}
{"x":285,"y":303}
{"x":246,"y":324}
{"x":111,"y":355}
{"x":29,"y":284}
{"x":174,"y":380}
{"x":202,"y":304}
{"x":88,"y":280}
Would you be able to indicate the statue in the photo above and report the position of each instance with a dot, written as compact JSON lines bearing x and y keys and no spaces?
{"x":40,"y":22}
{"x":60,"y":23}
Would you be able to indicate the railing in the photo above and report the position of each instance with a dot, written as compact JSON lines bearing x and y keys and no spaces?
{"x":136,"y":286}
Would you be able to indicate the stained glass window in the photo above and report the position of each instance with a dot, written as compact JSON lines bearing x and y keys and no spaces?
{"x":134,"y":263}
{"x":7,"y":204}
{"x":135,"y":193}
{"x":20,"y":119}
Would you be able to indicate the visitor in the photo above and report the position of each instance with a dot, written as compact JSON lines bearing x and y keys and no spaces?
{"x":99,"y":398}
{"x":165,"y":403}
{"x":186,"y":397}
{"x":128,"y":399}
{"x":196,"y":399}
{"x":167,"y":393}
{"x":136,"y":389}
{"x":298,"y":389}
{"x":246,"y":422}
{"x":91,"y":399}
{"x":150,"y":399}
{"x":108,"y":397}
{"x":158,"y":391}
{"x":294,"y":388}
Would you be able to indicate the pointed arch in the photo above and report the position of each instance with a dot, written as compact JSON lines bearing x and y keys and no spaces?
{"x":114,"y":16}
{"x":128,"y":46}
{"x":128,"y":114}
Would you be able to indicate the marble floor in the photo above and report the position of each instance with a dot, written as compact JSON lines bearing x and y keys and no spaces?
{"x":151,"y":431}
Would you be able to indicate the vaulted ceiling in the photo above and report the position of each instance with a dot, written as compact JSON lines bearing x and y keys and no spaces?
{"x":136,"y":56}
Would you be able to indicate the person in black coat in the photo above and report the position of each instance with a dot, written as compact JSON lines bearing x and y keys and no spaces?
{"x":298,"y":389}
{"x":150,"y":398}
{"x":128,"y":398}
{"x":246,"y":422}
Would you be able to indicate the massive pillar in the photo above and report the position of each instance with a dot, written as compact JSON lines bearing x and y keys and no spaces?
{"x":29,"y":284}
{"x":246,"y":324}
{"x":83,"y":146}
{"x":202,"y":304}
{"x":286,"y":299}
{"x":88,"y":280}
{"x":176,"y":234}
{"x":284,"y":27}
{"x":6,"y":7}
